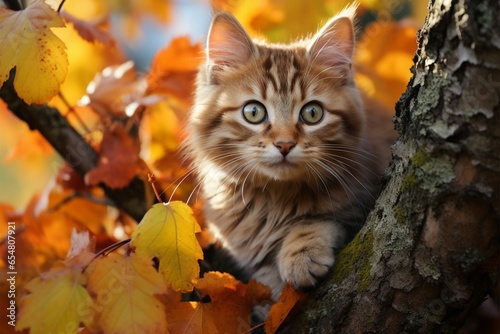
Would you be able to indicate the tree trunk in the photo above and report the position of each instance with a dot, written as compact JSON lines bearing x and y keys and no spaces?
{"x":429,"y":252}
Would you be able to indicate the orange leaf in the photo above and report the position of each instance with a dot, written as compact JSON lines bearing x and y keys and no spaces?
{"x":75,"y":210}
{"x":29,"y":144}
{"x":174,"y":69}
{"x":287,"y":302}
{"x":90,"y":31}
{"x":190,"y":317}
{"x":226,"y":307}
{"x":118,"y":159}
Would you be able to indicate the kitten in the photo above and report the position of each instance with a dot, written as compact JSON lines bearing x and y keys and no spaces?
{"x":288,"y":161}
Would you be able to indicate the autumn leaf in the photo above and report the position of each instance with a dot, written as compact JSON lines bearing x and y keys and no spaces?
{"x":117,"y":91}
{"x":31,"y":143}
{"x":167,"y":232}
{"x":91,"y":31}
{"x":57,"y":303}
{"x":39,"y":56}
{"x":289,"y":300}
{"x":227,"y":310}
{"x":125,"y":290}
{"x":118,"y":159}
{"x":174,"y":69}
{"x":81,"y":251}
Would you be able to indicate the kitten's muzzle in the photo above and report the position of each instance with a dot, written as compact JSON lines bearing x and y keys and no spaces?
{"x":285,"y":146}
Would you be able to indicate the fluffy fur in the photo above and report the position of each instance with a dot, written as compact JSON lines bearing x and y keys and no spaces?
{"x":284,"y":194}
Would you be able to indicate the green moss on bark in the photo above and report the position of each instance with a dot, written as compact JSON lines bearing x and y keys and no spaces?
{"x":357,"y":252}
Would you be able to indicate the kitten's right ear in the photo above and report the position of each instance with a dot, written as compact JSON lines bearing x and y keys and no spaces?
{"x":228,"y":44}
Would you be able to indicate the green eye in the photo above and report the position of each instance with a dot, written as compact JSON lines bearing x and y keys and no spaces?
{"x":254,"y":112}
{"x":311,"y":113}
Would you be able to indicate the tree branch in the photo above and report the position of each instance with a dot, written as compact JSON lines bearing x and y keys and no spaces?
{"x":72,"y":147}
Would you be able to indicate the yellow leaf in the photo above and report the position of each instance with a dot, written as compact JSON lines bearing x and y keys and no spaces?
{"x":167,"y":232}
{"x":58,"y":303}
{"x":39,"y":56}
{"x":124,"y":288}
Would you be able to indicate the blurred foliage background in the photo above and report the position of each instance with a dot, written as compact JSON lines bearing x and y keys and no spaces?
{"x":141,"y":28}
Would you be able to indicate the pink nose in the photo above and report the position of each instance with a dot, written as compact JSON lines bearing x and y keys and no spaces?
{"x":285,"y":146}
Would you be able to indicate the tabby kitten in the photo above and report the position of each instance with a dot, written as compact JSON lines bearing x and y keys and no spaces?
{"x":287,"y":164}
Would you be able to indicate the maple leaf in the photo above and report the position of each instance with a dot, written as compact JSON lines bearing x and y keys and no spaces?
{"x":118,"y":159}
{"x":167,"y":232}
{"x":174,"y":69}
{"x":39,"y":56}
{"x":287,"y":303}
{"x":228,"y":311}
{"x":125,"y":289}
{"x":57,"y":303}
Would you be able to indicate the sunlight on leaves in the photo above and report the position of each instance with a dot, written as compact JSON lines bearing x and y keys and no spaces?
{"x":39,"y":56}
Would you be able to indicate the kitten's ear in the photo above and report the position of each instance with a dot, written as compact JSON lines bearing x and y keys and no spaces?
{"x":334,"y":44}
{"x":228,"y":44}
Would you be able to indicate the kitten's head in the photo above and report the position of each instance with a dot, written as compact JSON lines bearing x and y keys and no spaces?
{"x":276,"y":111}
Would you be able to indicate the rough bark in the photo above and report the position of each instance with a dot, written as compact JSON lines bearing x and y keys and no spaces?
{"x":72,"y":147}
{"x":429,"y":252}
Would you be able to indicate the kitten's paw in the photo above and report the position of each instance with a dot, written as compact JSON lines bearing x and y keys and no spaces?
{"x":303,"y":266}
{"x":306,"y":254}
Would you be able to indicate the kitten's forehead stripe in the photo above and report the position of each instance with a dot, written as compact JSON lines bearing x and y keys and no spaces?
{"x":268,"y":65}
{"x":295,"y":73}
{"x":283,"y":70}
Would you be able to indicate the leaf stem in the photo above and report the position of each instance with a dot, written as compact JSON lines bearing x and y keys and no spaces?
{"x":60,"y":6}
{"x":254,"y":328}
{"x":152,"y":180}
{"x":107,"y":250}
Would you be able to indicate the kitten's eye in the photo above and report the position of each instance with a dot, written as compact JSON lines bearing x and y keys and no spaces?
{"x":311,"y":113}
{"x":254,"y":112}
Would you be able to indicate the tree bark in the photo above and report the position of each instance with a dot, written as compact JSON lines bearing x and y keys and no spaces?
{"x":429,"y":252}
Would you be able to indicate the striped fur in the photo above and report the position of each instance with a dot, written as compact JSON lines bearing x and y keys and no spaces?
{"x":283,"y":218}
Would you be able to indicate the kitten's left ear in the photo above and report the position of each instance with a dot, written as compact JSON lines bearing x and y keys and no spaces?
{"x":334,"y":44}
{"x":228,"y":45}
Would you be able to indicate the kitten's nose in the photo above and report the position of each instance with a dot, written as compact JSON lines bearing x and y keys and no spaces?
{"x":285,"y":146}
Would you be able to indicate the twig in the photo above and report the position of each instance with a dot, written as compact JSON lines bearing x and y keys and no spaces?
{"x":72,"y":111}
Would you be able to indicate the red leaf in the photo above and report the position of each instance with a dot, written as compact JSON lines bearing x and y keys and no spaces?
{"x":118,"y":160}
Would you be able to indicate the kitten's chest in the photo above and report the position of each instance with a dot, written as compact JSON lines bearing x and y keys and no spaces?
{"x":247,"y":215}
